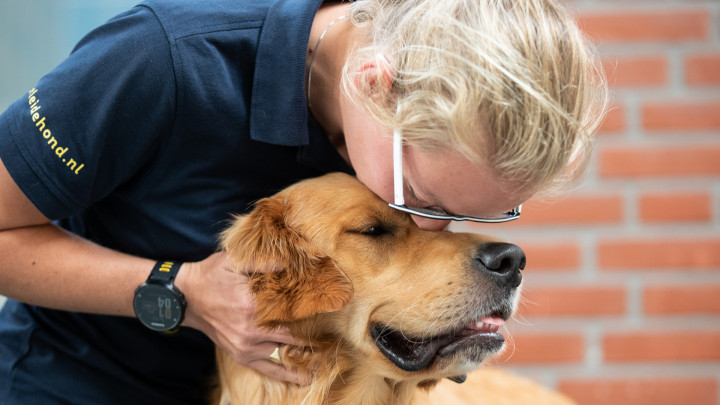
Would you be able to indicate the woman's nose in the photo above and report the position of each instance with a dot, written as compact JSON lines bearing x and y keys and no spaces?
{"x":431,"y":224}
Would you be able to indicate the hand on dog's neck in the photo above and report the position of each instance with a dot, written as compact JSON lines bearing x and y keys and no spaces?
{"x":338,"y":380}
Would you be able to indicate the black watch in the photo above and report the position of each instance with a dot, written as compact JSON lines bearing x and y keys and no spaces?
{"x":158,"y":303}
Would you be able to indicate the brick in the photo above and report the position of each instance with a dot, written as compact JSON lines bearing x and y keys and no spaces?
{"x":615,"y":120}
{"x":682,"y":300}
{"x":636,"y":71}
{"x":702,"y":70}
{"x":651,"y":26}
{"x":664,"y":391}
{"x":675,"y":207}
{"x":543,"y":348}
{"x":576,"y":209}
{"x":582,"y":301}
{"x":552,"y":257}
{"x":687,"y":116}
{"x":634,"y":162}
{"x":662,"y":347}
{"x":659,"y":254}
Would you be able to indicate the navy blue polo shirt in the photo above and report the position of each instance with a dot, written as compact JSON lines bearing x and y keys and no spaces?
{"x":159,"y":126}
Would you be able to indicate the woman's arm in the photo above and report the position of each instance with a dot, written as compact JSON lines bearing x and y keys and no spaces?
{"x":47,"y":266}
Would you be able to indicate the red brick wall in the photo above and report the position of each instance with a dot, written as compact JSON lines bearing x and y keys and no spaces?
{"x":622,"y":287}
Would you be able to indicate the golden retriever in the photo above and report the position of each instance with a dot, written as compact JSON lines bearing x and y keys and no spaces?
{"x":390,"y":310}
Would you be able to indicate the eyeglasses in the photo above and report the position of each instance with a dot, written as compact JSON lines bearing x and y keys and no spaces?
{"x":430,"y":212}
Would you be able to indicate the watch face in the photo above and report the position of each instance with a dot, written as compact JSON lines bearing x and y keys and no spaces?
{"x":157,"y":307}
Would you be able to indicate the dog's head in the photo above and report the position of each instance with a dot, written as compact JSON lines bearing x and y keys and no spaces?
{"x":353,"y":272}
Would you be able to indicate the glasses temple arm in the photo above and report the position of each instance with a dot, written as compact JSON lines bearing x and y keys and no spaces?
{"x":397,"y":167}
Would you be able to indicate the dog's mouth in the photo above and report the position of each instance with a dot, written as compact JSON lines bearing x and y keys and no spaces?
{"x":479,"y":338}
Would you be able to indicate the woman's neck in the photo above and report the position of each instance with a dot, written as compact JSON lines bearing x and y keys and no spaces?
{"x":328,"y":57}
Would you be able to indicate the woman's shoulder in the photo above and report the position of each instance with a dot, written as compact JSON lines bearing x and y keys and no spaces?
{"x":182,"y":18}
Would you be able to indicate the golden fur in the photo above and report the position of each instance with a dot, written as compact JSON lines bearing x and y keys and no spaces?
{"x":347,"y":263}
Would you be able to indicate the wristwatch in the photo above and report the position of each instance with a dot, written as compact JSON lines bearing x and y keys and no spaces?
{"x":158,"y":303}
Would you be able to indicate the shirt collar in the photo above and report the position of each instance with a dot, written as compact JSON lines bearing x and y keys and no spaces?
{"x":319,"y":153}
{"x":278,"y":109}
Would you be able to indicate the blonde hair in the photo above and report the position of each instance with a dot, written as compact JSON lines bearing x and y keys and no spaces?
{"x":518,"y":70}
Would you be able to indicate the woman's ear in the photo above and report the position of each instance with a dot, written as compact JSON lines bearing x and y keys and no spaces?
{"x":375,"y":77}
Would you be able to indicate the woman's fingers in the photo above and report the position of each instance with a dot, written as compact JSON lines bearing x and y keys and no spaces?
{"x":274,"y":368}
{"x":279,"y":372}
{"x":282,"y":335}
{"x":221,"y":304}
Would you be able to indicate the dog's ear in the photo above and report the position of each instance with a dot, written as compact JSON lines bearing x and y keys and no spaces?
{"x":294,"y":280}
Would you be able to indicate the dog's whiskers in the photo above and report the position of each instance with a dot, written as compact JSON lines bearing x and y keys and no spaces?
{"x":524,"y":302}
{"x":337,"y":356}
{"x":312,"y":350}
{"x":510,"y":342}
{"x":403,"y":313}
{"x":436,"y":319}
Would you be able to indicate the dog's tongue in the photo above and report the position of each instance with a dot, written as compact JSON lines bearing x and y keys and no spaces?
{"x":407,"y":354}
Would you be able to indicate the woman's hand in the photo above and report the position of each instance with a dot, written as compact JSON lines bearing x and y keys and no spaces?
{"x":221,"y":305}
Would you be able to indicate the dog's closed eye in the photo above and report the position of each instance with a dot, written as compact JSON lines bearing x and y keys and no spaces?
{"x":376,"y":230}
{"x":373,"y":230}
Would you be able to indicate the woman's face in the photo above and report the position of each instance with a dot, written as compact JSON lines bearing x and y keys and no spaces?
{"x":443,"y":179}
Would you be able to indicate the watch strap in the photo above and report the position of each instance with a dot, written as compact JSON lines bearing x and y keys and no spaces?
{"x":165,"y":271}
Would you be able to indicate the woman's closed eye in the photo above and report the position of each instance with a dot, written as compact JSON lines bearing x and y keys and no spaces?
{"x":414,"y":201}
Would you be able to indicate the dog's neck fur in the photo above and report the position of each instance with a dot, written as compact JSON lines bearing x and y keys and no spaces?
{"x":331,"y":386}
{"x":337,"y":377}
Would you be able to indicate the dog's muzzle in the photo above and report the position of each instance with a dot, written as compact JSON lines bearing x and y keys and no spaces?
{"x":499,"y":264}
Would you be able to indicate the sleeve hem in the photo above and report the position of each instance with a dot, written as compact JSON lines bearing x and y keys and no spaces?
{"x":30,"y":182}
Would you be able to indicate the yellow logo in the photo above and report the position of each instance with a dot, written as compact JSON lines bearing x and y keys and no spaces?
{"x":44,"y":129}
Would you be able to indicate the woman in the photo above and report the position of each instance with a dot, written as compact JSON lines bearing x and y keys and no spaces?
{"x":173,"y":116}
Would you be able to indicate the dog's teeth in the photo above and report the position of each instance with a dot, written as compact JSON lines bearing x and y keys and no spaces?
{"x":488,"y":324}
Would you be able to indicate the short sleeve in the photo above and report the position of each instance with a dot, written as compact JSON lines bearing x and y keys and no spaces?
{"x":96,"y":120}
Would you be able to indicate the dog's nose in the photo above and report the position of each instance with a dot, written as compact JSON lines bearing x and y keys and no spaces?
{"x":502,"y":261}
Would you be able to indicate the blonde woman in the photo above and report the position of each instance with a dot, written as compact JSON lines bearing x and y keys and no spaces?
{"x":121,"y":166}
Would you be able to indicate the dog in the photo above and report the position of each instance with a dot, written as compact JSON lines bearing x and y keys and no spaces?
{"x":390,"y":310}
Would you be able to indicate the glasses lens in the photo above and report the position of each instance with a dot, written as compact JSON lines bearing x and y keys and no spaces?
{"x":429,"y":212}
{"x":434,"y":214}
